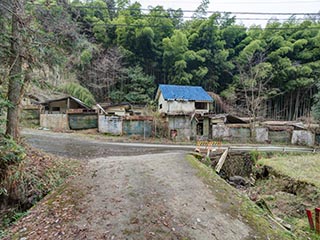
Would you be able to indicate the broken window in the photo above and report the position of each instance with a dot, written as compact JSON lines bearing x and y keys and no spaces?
{"x":56,"y":109}
{"x":201,"y":105}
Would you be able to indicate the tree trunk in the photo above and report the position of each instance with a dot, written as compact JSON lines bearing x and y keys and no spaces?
{"x":296,"y":109}
{"x":15,"y":75}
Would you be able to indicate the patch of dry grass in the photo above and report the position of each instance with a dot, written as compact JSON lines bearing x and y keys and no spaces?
{"x":305,"y":168}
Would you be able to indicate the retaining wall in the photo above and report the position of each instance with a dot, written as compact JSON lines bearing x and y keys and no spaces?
{"x":54,"y":121}
{"x":302,"y":137}
{"x":110,"y":124}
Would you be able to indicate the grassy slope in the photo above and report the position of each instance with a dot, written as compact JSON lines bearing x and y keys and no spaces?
{"x":238,"y":205}
{"x":305,"y":168}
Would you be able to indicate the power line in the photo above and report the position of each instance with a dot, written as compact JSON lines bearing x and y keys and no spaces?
{"x":208,"y":28}
{"x":173,"y":27}
{"x":218,"y":17}
{"x":193,"y":11}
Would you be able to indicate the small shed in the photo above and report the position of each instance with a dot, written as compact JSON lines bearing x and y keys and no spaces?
{"x":68,"y":113}
{"x":63,"y":105}
{"x":121,"y":109}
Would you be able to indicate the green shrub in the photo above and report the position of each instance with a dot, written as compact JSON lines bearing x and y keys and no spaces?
{"x":255,"y":156}
{"x":10,"y":153}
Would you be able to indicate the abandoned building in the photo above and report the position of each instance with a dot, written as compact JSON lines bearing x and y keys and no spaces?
{"x":67,"y":113}
{"x":62,"y":105}
{"x":121,"y":109}
{"x":186,"y":109}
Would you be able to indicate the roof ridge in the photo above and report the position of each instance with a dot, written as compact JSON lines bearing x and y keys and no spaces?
{"x":184,"y":92}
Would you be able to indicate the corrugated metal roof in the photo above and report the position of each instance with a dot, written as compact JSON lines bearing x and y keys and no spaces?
{"x":71,"y":97}
{"x":184,"y":93}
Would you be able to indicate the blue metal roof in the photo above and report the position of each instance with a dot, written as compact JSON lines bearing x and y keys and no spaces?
{"x":186,"y":93}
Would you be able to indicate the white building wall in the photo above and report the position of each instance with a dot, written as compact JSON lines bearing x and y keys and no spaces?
{"x":163,"y":103}
{"x":180,"y":107}
{"x":175,"y":106}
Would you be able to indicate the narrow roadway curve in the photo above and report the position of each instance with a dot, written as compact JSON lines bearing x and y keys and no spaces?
{"x":76,"y":147}
{"x":139,"y":193}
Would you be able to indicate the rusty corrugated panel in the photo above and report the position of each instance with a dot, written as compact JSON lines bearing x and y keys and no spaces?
{"x":137,"y":127}
{"x":83,"y":121}
{"x":139,"y":118}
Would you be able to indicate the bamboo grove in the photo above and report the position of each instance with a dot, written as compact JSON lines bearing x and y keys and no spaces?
{"x":120,"y":52}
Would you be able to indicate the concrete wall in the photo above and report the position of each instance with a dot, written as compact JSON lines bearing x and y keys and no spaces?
{"x":184,"y":127}
{"x":117,"y":126}
{"x":206,"y":128}
{"x":302,"y":137}
{"x":262,"y":134}
{"x":111,"y":125}
{"x":279,"y":136}
{"x":221,"y":132}
{"x":79,"y":121}
{"x":54,"y":121}
{"x":137,"y":127}
{"x":240,"y":134}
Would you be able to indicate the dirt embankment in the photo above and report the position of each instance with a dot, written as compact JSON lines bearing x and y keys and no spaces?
{"x":284,"y":198}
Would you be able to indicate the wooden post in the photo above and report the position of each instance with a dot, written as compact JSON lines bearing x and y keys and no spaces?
{"x":68,"y":104}
{"x":222,"y":160}
{"x":309,"y":214}
{"x":317,"y":220}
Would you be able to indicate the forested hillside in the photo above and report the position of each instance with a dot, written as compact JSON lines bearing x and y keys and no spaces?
{"x":120,"y":52}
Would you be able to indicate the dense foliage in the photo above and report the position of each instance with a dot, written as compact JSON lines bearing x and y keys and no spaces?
{"x":281,"y":61}
{"x":120,"y":52}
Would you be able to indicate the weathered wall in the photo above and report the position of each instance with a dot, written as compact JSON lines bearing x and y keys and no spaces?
{"x":54,"y":121}
{"x":182,"y":124}
{"x":79,"y":121}
{"x":137,"y":127}
{"x":240,"y":134}
{"x":206,"y":128}
{"x":220,"y":132}
{"x":180,"y":107}
{"x":262,"y":134}
{"x":62,"y":105}
{"x":302,"y":137}
{"x":279,"y":136}
{"x":111,"y":125}
{"x":175,"y":106}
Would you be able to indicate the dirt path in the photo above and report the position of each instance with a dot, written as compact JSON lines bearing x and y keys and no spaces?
{"x":154,"y":195}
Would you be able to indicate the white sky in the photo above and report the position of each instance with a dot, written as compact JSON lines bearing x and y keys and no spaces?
{"x":269,"y":6}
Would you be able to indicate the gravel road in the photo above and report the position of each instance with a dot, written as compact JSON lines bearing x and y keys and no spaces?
{"x":141,"y":193}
